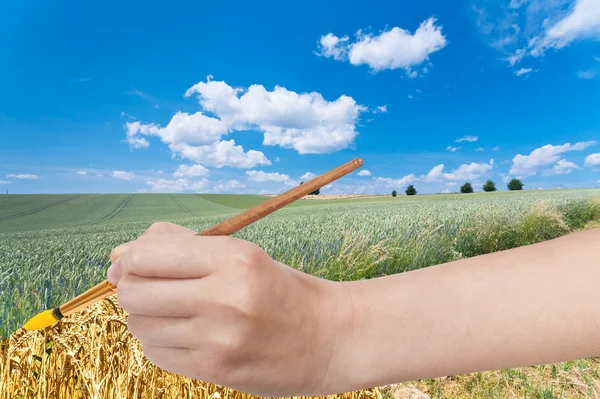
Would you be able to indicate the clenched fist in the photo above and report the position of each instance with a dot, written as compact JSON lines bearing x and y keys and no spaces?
{"x":219,"y":309}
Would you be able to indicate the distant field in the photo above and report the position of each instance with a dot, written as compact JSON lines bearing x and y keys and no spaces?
{"x":54,"y":247}
{"x":35,"y":212}
{"x":25,"y":212}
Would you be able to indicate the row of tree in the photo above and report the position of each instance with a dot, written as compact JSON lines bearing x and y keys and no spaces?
{"x":513,"y":185}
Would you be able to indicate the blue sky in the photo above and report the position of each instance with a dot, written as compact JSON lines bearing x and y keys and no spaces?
{"x":107,"y":97}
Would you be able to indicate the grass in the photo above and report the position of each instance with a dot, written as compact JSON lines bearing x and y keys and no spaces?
{"x":339,"y":240}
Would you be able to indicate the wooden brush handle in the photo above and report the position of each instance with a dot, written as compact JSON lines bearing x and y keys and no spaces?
{"x":228,"y":227}
{"x":251,"y":215}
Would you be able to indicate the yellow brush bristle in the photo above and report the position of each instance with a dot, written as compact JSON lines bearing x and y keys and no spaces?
{"x":41,"y":320}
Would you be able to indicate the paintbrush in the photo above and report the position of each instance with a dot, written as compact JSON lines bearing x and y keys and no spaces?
{"x":228,"y":227}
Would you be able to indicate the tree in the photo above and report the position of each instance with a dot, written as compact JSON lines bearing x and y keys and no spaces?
{"x":466,"y":188}
{"x":489,"y":186}
{"x":316,"y":192}
{"x":515,"y":184}
{"x":394,"y":193}
{"x":410,"y":190}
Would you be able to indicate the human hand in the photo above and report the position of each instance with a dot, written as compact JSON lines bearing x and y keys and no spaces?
{"x":219,"y":309}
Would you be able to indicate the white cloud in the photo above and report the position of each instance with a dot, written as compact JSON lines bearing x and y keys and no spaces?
{"x":119,"y":174}
{"x":305,"y":122}
{"x":582,"y":22}
{"x":291,"y":183}
{"x":228,"y":186}
{"x":191,"y":171}
{"x":538,"y":159}
{"x":138,"y":93}
{"x":220,"y":154}
{"x":590,"y":73}
{"x":261,"y":177}
{"x":530,"y":28}
{"x":496,"y":148}
{"x":470,"y":171}
{"x":587,"y":74}
{"x":516,"y":3}
{"x":364,"y":172}
{"x":409,"y":96}
{"x":452,"y":149}
{"x":390,"y":49}
{"x":479,"y":149}
{"x":81,"y":172}
{"x":524,"y":71}
{"x":435,"y":174}
{"x":137,"y":142}
{"x":333,"y":46}
{"x":23,"y":176}
{"x":389,"y":182}
{"x":179,"y":185}
{"x":127,"y":115}
{"x":516,"y":57}
{"x":99,"y":175}
{"x":470,"y":139}
{"x":381,"y":109}
{"x":592,"y":160}
{"x":192,"y":129}
{"x":308,"y":176}
{"x":5,"y":182}
{"x":562,"y":167}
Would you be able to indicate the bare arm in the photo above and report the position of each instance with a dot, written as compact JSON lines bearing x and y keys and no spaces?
{"x":532,"y":305}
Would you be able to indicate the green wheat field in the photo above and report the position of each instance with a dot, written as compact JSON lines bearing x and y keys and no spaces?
{"x":54,"y":247}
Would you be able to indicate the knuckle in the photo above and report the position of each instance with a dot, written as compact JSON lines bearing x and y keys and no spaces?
{"x":250,"y":256}
{"x":113,"y":254}
{"x":159,"y":227}
{"x":246,"y":300}
{"x":235,"y":339}
{"x":135,"y":255}
{"x":135,"y":325}
{"x":123,"y":295}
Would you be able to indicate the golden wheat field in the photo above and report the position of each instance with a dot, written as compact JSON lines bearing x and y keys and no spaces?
{"x":92,"y":355}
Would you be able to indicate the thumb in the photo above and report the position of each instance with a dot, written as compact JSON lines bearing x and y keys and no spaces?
{"x":114,"y":272}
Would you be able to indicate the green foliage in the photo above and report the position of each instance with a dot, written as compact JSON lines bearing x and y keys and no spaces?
{"x":489,"y":186}
{"x":394,"y":193}
{"x":466,"y":188}
{"x":515,"y":184}
{"x":579,"y":213}
{"x":410,"y":190}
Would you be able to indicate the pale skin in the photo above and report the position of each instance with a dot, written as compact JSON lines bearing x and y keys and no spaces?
{"x":219,"y":309}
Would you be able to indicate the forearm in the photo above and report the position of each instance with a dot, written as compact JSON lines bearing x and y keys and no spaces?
{"x":531,"y":305}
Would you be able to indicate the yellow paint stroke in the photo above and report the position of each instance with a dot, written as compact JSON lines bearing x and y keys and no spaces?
{"x":41,"y":320}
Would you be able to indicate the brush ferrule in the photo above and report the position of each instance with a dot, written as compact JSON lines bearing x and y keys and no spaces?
{"x":57,"y":313}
